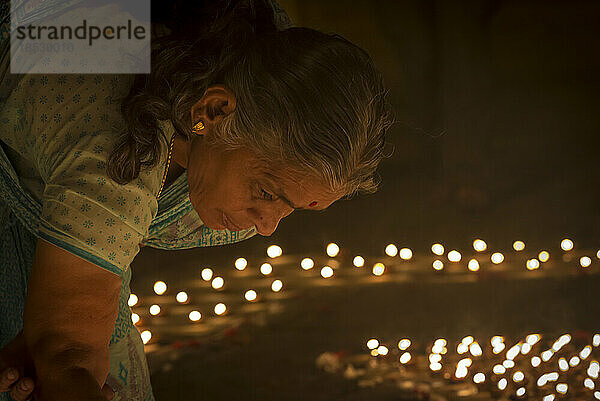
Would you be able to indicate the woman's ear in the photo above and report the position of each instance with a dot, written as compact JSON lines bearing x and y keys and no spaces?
{"x":217,"y":102}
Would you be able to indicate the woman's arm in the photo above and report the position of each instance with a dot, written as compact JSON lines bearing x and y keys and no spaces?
{"x":70,"y":312}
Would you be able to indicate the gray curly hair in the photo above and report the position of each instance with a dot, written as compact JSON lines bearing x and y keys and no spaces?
{"x":311,"y":101}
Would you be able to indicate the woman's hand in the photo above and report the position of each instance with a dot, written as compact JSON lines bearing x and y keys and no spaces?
{"x":15,"y":359}
{"x":15,"y":363}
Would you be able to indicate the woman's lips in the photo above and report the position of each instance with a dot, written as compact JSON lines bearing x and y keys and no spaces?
{"x":227,"y":223}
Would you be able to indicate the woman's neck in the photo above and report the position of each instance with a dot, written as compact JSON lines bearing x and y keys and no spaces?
{"x":179,"y":158}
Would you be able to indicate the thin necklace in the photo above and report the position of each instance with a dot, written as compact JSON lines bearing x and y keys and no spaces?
{"x":167,"y":167}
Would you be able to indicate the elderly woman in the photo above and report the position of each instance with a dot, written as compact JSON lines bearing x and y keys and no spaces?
{"x":238,"y":125}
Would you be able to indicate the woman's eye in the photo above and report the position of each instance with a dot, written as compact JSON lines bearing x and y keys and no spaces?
{"x":265,"y":195}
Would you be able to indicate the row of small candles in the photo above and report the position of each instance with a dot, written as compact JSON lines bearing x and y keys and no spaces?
{"x":332,"y":250}
{"x":496,"y":373}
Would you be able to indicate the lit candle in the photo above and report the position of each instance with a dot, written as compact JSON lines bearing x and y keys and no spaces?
{"x":160,"y":287}
{"x":133,"y":299}
{"x":241,"y":263}
{"x":332,"y":250}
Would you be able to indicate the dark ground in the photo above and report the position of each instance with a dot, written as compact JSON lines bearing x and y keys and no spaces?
{"x":497,"y":137}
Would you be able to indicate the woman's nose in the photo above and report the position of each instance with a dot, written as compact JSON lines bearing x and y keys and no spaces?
{"x":267,"y":219}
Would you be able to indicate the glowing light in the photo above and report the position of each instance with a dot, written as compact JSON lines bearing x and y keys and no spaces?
{"x":378,"y":269}
{"x":497,"y":258}
{"x":593,"y":369}
{"x":462,"y":348}
{"x":513,"y":352}
{"x":241,"y":263}
{"x":508,"y":364}
{"x":473,"y":265}
{"x":588,"y":383}
{"x":382,"y":350}
{"x":467,"y":340}
{"x":562,"y":388}
{"x":520,"y":392}
{"x":499,"y":348}
{"x":277,"y":285}
{"x":274,"y":251}
{"x":218,"y":283}
{"x":391,"y":250}
{"x":499,"y":369}
{"x":194,"y":316}
{"x":250,"y":295}
{"x":461,"y":372}
{"x":532,"y":339}
{"x":372,"y":343}
{"x":146,"y":336}
{"x":566,"y":244}
{"x":525,"y":348}
{"x":518,"y":246}
{"x":533,"y":264}
{"x":135,"y":318}
{"x":133,"y":299}
{"x":154,"y":310}
{"x":585,"y":352}
{"x":479,"y":245}
{"x":438,"y":264}
{"x":536,"y":361}
{"x":465,"y":362}
{"x":479,"y":378}
{"x":358,"y":261}
{"x":181,"y":297}
{"x":563,"y":365}
{"x":405,"y":358}
{"x":542,"y":381}
{"x":502,"y":383}
{"x":332,"y":250}
{"x":454,"y":256}
{"x":562,"y":341}
{"x":544,"y":256}
{"x":496,"y":341}
{"x":220,"y":308}
{"x":439,"y":346}
{"x":266,"y":269}
{"x":326,"y":272}
{"x":435,"y":358}
{"x":475,"y":349}
{"x":405,"y":254}
{"x":585,"y":261}
{"x":207,"y":274}
{"x":307,"y":263}
{"x":518,"y":376}
{"x":404,"y":344}
{"x":596,"y":340}
{"x":435,"y":366}
{"x":546,"y":355}
{"x":160,"y":287}
{"x":437,"y":249}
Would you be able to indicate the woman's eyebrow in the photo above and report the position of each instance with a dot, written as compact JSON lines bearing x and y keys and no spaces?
{"x":278,"y":191}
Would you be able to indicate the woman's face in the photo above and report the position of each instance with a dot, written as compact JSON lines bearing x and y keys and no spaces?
{"x":235,"y":190}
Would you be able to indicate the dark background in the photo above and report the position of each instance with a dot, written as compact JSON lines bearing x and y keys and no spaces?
{"x":497,"y":137}
{"x":498,"y":121}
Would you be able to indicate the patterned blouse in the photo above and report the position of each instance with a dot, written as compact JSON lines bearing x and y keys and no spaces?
{"x":59,"y":131}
